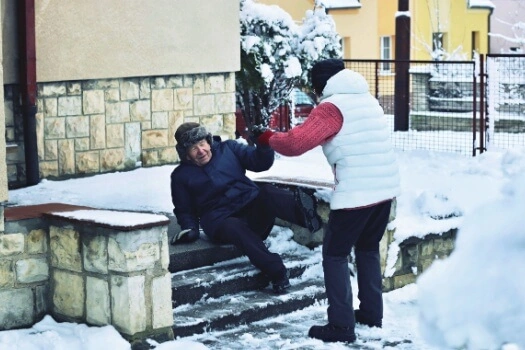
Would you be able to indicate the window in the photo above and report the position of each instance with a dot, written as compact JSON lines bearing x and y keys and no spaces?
{"x":386,"y":52}
{"x":437,"y":41}
{"x":346,"y":47}
{"x":474,"y":44}
{"x":439,"y":45}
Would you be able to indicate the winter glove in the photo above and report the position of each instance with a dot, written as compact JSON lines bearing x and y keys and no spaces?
{"x":185,"y":236}
{"x":260,"y":135}
{"x":264,"y":138}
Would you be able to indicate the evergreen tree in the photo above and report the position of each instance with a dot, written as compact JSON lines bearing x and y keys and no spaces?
{"x":276,"y":55}
{"x":318,"y":40}
{"x":269,"y":65}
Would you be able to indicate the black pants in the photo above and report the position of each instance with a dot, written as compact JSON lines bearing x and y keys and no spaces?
{"x":248,"y":228}
{"x":362,"y":228}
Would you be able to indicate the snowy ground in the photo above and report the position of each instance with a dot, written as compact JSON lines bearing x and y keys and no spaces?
{"x":472,"y":300}
{"x":283,"y":332}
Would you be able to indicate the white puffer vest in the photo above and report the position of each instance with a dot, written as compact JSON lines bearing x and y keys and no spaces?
{"x":361,"y":155}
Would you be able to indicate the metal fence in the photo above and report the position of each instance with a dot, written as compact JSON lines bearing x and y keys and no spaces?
{"x":505,"y":83}
{"x":447,"y":106}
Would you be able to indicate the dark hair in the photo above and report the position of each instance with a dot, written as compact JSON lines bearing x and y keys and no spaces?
{"x":324,"y":70}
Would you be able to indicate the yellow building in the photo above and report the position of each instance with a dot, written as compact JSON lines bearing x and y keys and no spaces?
{"x":459,"y":26}
{"x":367,"y":27}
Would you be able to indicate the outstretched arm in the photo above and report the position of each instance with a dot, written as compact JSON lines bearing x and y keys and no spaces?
{"x":255,"y":159}
{"x":322,"y":124}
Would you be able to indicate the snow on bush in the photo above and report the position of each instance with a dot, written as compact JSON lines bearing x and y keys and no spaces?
{"x":276,"y":55}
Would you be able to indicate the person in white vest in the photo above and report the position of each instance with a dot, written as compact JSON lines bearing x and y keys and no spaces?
{"x":351,"y":127}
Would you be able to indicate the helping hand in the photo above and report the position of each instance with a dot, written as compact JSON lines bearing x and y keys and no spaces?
{"x":260,"y":135}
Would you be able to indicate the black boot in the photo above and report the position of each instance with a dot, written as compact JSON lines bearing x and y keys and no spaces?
{"x":307,"y":204}
{"x":281,"y":285}
{"x":361,"y":319}
{"x":332,"y":333}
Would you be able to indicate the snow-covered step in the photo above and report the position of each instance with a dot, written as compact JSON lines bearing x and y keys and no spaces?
{"x":200,"y":253}
{"x":244,"y":307}
{"x":227,"y":277}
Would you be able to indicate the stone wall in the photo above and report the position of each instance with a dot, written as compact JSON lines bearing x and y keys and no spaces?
{"x":88,"y":270}
{"x":412,"y":256}
{"x":98,"y":126}
{"x":24,"y":273}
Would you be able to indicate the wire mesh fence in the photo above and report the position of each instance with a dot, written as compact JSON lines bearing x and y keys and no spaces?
{"x":447,"y":105}
{"x":441,"y":102}
{"x":505,"y":100}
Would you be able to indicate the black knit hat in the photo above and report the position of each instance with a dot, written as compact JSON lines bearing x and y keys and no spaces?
{"x":324,"y":70}
{"x":188,"y":134}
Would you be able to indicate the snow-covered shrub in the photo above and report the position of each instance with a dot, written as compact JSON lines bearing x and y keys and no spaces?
{"x":276,"y":55}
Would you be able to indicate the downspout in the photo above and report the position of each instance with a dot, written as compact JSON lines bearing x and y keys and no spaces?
{"x":28,"y":87}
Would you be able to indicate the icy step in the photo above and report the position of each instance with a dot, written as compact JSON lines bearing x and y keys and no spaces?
{"x":245,"y":307}
{"x":197,"y":254}
{"x":228,"y":277}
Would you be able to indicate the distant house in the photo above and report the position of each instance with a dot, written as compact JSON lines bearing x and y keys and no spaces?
{"x":458,"y":26}
{"x":113,"y":81}
{"x":367,"y":28}
{"x":505,"y":35}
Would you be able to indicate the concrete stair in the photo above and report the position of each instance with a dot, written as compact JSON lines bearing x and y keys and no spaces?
{"x":243,"y":307}
{"x":214,"y":287}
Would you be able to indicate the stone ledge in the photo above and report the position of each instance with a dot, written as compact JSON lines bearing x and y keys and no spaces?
{"x":86,"y":215}
{"x":37,"y":211}
{"x":112,"y":219}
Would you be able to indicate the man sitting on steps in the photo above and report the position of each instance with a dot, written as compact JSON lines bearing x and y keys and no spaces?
{"x":210,"y":189}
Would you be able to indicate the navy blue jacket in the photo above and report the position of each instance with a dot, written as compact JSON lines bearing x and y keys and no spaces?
{"x":213,"y":192}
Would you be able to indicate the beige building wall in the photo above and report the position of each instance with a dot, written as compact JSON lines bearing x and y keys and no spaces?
{"x":100,"y":39}
{"x":357,"y":27}
{"x":453,"y":18}
{"x":296,"y":8}
{"x":475,"y":20}
{"x":115,"y":78}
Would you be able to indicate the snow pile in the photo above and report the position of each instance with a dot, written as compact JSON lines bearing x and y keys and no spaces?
{"x":475,"y":298}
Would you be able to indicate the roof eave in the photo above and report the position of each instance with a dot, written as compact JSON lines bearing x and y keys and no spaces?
{"x":344,"y":7}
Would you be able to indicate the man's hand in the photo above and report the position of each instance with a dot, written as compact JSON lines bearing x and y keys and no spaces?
{"x":185,"y":236}
{"x":261,"y":135}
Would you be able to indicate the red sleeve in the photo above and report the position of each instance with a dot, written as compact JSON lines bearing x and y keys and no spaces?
{"x":322,"y":123}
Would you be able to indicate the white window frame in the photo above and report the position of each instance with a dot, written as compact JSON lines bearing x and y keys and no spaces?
{"x":386,"y":53}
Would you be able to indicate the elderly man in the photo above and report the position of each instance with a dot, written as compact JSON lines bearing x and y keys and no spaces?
{"x":210,"y":189}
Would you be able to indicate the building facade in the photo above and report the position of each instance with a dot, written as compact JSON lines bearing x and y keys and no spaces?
{"x":114,"y":82}
{"x":367,"y":27}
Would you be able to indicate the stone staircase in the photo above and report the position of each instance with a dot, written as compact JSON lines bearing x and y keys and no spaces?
{"x":215,"y":288}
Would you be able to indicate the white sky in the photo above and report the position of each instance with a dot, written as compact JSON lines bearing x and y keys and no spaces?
{"x":475,"y":295}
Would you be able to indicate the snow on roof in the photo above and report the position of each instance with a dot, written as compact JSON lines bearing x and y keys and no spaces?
{"x":481,"y":3}
{"x":113,"y":218}
{"x":335,"y":4}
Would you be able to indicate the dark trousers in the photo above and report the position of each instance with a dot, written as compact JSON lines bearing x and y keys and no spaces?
{"x":362,"y":228}
{"x":248,"y":228}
